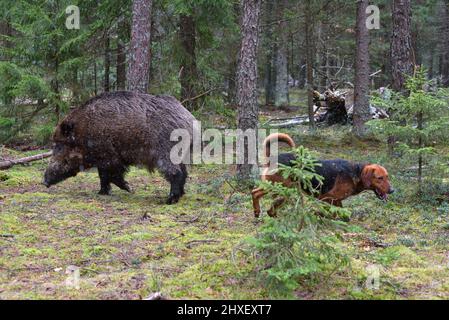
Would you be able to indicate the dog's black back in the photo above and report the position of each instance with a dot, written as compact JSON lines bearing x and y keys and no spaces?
{"x":328,"y":169}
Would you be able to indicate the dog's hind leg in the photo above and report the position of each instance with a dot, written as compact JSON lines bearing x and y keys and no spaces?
{"x":277,"y":203}
{"x":257,"y":194}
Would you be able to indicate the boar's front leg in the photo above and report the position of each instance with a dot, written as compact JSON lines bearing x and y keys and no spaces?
{"x":105,"y":182}
{"x":177,"y":181}
{"x":115,"y":176}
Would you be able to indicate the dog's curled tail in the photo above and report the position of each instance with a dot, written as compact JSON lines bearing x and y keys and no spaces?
{"x":279,"y":137}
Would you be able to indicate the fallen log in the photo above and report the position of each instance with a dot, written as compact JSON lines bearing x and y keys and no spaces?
{"x":4,"y":165}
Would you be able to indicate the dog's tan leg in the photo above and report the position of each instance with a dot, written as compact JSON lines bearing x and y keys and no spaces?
{"x":277,"y":203}
{"x":257,"y":194}
{"x":338,"y":203}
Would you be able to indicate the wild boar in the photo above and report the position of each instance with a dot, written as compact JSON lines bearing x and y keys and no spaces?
{"x":115,"y":131}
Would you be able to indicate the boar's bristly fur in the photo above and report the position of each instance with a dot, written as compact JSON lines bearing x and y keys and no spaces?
{"x":116,"y":130}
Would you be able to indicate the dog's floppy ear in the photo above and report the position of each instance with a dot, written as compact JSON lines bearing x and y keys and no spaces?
{"x":367,"y":175}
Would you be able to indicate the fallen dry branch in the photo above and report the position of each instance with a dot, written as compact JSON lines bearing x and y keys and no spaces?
{"x":4,"y":165}
{"x":7,"y":236}
{"x":190,"y":244}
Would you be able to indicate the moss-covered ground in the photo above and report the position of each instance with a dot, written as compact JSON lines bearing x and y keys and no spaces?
{"x":128,"y":246}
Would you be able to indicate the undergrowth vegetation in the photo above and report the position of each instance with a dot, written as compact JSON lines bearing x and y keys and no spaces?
{"x":130,"y":245}
{"x":305,"y":239}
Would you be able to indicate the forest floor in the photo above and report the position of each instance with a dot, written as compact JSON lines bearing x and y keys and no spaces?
{"x":128,"y":246}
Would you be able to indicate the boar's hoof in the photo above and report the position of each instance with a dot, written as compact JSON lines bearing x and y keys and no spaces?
{"x":172,"y":199}
{"x":126,"y":187}
{"x":104,"y":192}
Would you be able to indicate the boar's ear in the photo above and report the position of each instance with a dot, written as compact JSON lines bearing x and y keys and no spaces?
{"x":67,"y":130}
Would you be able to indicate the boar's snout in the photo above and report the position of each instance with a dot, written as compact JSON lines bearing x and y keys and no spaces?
{"x":45,"y":183}
{"x":58,"y":171}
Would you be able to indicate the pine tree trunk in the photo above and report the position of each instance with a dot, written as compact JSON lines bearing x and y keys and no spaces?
{"x":139,"y":52}
{"x":107,"y":65}
{"x":402,"y":56}
{"x":123,"y":29}
{"x":420,"y":121}
{"x":233,"y":64}
{"x":361,"y":90}
{"x":5,"y":30}
{"x":121,"y":66}
{"x":445,"y":44}
{"x":247,"y":117}
{"x":309,"y":61}
{"x":95,"y":79}
{"x":189,"y":73}
{"x":281,"y":62}
{"x":270,"y":76}
{"x":232,"y":81}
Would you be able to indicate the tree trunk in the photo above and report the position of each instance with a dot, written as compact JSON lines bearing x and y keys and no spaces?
{"x":139,"y":51}
{"x":5,"y":30}
{"x":445,"y":44}
{"x":270,"y":76}
{"x":121,"y":66}
{"x":233,"y":64}
{"x":123,"y":30}
{"x":281,"y":61}
{"x":402,"y":56}
{"x":95,"y":78}
{"x":248,"y":112}
{"x":309,"y":61}
{"x":107,"y":65}
{"x":361,"y":90}
{"x":231,"y":88}
{"x":420,"y":122}
{"x":189,"y":73}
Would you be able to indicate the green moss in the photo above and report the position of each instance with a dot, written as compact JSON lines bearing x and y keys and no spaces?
{"x":194,"y":249}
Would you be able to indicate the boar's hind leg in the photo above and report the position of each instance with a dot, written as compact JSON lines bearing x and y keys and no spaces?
{"x":177,"y":178}
{"x":115,"y":176}
{"x":119,"y":180}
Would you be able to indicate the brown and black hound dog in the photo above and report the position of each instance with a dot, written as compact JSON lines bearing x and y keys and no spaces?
{"x":342,"y":178}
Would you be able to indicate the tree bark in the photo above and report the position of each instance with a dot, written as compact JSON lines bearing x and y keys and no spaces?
{"x":361,"y":90}
{"x":121,"y":66}
{"x":445,"y":44}
{"x":309,"y":61}
{"x":402,"y":56}
{"x":95,"y":78}
{"x":6,"y":31}
{"x":248,"y":112}
{"x":107,"y":65}
{"x":270,"y":75}
{"x":139,"y":52}
{"x":189,"y":72}
{"x":281,"y":62}
{"x":122,"y":34}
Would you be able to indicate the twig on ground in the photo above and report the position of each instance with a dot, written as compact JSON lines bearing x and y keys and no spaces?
{"x":194,"y":242}
{"x":7,"y":236}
